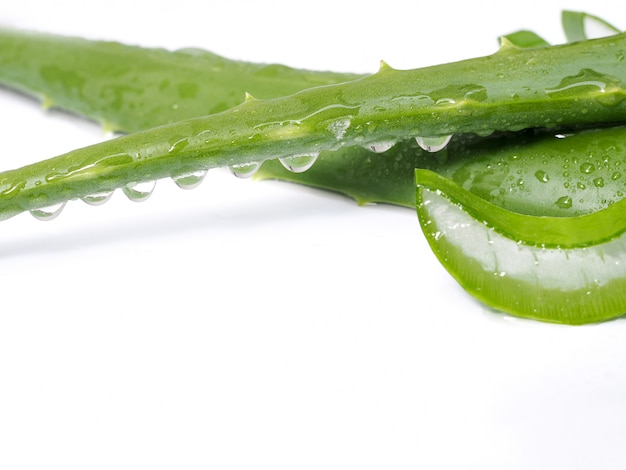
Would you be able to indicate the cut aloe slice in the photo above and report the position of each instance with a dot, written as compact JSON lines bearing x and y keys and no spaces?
{"x":557,"y":269}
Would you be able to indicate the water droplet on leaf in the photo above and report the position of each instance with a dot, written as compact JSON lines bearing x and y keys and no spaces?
{"x":48,"y":213}
{"x":380,"y":147}
{"x":190,"y":180}
{"x":542,"y":176}
{"x":587,"y":168}
{"x":245,"y":170}
{"x":299,"y":163}
{"x":97,"y":199}
{"x":433,"y":144}
{"x":564,"y":202}
{"x":139,"y":192}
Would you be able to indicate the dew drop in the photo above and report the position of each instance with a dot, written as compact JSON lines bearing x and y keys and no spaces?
{"x":299,"y":163}
{"x":445,"y":101}
{"x":245,"y":170}
{"x":542,"y":176}
{"x":139,"y":192}
{"x":616,"y":175}
{"x":97,"y":199}
{"x":380,"y":147}
{"x":564,"y":202}
{"x":48,"y":213}
{"x":189,"y":180}
{"x":433,"y":144}
{"x":587,"y":168}
{"x":598,"y":182}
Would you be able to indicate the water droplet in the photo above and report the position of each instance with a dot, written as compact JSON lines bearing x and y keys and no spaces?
{"x":380,"y":147}
{"x":139,"y":192}
{"x":542,"y":176}
{"x":433,"y":144}
{"x":97,"y":199}
{"x":598,"y":182}
{"x":48,"y":213}
{"x":190,"y":180}
{"x":299,"y":163}
{"x":581,"y":185}
{"x":564,"y":202}
{"x":484,"y":132}
{"x":616,"y":175}
{"x":587,"y":78}
{"x":587,"y":168}
{"x":16,"y":187}
{"x":245,"y":170}
{"x":444,"y":101}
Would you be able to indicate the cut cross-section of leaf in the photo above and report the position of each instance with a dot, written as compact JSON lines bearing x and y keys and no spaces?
{"x":557,"y":269}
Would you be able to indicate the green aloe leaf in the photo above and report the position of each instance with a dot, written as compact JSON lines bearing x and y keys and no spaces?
{"x":576,"y":25}
{"x":129,"y":88}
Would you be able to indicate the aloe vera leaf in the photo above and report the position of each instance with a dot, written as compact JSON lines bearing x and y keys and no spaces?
{"x":510,"y":90}
{"x":523,"y":39}
{"x":535,"y":172}
{"x":389,"y":177}
{"x":108,"y":69}
{"x":553,"y":269}
{"x":540,"y":172}
{"x":129,"y":88}
{"x":575,"y":25}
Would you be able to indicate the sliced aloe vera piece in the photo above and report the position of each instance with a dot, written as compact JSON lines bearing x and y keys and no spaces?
{"x":556,"y":269}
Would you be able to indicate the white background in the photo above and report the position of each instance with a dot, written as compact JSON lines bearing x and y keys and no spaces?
{"x":264,"y":325}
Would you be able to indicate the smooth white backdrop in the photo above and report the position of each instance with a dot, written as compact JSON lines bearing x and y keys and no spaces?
{"x":265,"y":325}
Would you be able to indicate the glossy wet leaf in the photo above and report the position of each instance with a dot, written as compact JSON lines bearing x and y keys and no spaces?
{"x":389,"y":106}
{"x":129,"y":88}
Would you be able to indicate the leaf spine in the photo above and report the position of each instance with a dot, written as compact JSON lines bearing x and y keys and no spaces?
{"x":384,"y":67}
